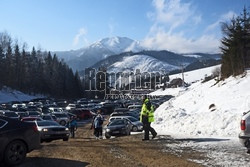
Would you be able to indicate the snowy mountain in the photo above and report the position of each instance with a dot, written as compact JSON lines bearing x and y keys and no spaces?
{"x":99,"y":50}
{"x":142,"y":62}
{"x":152,"y":61}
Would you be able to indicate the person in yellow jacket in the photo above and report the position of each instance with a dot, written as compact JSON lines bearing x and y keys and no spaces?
{"x":146,"y":117}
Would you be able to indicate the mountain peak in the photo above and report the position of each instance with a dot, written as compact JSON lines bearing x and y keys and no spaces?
{"x":117,"y":44}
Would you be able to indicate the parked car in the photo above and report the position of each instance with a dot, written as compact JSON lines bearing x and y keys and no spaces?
{"x":30,"y":119}
{"x":61,"y":118}
{"x":33,"y":113}
{"x":49,"y":117}
{"x":81,"y":113}
{"x":51,"y":130}
{"x":117,"y":128}
{"x":136,"y":125}
{"x":133,"y":114}
{"x":17,"y":139}
{"x":135,"y":106}
{"x":70,"y":106}
{"x":244,"y":135}
{"x":21,"y":114}
{"x":10,"y":114}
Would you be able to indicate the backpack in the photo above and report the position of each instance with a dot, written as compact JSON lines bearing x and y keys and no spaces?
{"x":148,"y":105}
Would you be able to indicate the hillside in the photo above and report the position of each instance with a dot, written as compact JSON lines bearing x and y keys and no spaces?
{"x":204,"y":109}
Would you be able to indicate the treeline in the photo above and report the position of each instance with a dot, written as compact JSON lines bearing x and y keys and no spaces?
{"x":36,"y":72}
{"x":235,"y":45}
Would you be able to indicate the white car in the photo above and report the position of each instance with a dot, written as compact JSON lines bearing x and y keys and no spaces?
{"x":136,"y":125}
{"x":244,"y":135}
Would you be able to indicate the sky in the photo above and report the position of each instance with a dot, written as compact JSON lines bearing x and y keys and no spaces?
{"x":182,"y":26}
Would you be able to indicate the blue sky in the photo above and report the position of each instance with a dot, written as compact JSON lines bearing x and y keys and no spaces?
{"x":176,"y":25}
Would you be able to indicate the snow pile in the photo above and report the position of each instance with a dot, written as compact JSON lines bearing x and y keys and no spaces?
{"x":7,"y":95}
{"x":205,"y":109}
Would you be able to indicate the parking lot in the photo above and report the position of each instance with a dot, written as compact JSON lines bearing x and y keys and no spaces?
{"x":85,"y":150}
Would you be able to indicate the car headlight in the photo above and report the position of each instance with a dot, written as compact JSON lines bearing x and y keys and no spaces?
{"x":67,"y":129}
{"x":45,"y":130}
{"x":107,"y":130}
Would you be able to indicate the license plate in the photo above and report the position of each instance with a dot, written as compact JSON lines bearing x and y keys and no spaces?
{"x":116,"y":132}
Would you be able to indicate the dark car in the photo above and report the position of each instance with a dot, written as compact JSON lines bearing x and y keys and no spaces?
{"x":81,"y":113}
{"x":51,"y":130}
{"x":117,"y":127}
{"x":10,"y":114}
{"x":17,"y":139}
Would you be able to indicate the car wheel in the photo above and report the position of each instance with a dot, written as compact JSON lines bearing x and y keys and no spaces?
{"x":63,"y":123}
{"x":134,"y":129}
{"x":15,"y":153}
{"x":65,"y":139}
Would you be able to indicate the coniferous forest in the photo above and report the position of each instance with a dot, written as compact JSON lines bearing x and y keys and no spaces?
{"x":235,"y":45}
{"x":36,"y":72}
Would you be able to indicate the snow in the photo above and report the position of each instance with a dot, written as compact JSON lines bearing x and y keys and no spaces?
{"x":118,"y":44}
{"x":207,"y":110}
{"x":192,"y":55}
{"x":8,"y":95}
{"x":142,"y":62}
{"x":196,"y":75}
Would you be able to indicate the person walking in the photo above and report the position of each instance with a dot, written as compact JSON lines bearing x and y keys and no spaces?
{"x":73,"y":126}
{"x":97,"y":124}
{"x":147,"y":117}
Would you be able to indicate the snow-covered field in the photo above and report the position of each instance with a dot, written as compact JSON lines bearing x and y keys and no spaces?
{"x":209,"y":112}
{"x":7,"y":95}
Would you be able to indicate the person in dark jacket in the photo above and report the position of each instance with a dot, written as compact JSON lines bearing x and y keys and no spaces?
{"x":97,"y":124}
{"x":73,"y":126}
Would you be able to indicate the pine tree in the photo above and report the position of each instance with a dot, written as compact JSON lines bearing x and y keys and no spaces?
{"x":235,"y":45}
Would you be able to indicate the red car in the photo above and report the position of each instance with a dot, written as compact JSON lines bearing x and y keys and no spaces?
{"x":81,"y":113}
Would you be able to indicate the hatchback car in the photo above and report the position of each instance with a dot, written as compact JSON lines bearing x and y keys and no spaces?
{"x":117,"y":128}
{"x":51,"y":130}
{"x":17,"y":139}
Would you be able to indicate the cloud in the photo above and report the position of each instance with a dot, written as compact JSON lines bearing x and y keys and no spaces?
{"x":180,"y":44}
{"x":227,"y":16}
{"x":172,"y":19}
{"x":80,"y":36}
{"x":171,"y":13}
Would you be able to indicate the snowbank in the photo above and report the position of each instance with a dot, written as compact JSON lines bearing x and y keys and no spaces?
{"x":205,"y":109}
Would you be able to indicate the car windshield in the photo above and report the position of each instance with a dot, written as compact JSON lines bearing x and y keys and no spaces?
{"x":117,"y":122}
{"x":47,"y":123}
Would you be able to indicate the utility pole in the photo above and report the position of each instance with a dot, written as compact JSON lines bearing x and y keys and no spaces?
{"x":182,"y":71}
